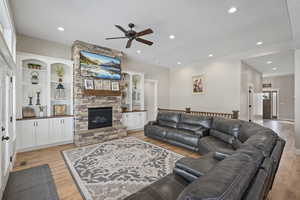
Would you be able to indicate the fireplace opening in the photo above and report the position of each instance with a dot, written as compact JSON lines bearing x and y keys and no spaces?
{"x":99,"y":117}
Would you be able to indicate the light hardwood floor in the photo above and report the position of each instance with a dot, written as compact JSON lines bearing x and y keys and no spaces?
{"x":286,"y":186}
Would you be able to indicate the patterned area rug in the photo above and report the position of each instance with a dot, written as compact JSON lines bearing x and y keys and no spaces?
{"x":113,"y":170}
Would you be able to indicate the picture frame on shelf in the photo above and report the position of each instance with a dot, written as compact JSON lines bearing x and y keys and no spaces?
{"x":115,"y":86}
{"x":59,"y":109}
{"x":106,"y":85}
{"x":98,"y":84}
{"x":88,"y":84}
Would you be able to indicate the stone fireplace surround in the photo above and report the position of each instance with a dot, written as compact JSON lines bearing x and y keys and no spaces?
{"x":84,"y":136}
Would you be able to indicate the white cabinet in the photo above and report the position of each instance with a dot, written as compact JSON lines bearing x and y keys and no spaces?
{"x":61,"y":130}
{"x":39,"y":133}
{"x":134,"y":120}
{"x":26,"y":136}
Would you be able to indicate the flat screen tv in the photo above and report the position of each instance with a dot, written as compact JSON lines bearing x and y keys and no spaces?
{"x":99,"y":66}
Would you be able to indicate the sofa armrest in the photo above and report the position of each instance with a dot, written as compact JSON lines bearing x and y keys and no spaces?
{"x":220,"y":156}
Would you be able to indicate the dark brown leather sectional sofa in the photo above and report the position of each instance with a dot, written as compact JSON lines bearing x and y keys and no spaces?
{"x":239,"y":159}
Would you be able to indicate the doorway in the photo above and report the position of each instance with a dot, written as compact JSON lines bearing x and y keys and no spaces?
{"x":151,"y":87}
{"x":270,"y":104}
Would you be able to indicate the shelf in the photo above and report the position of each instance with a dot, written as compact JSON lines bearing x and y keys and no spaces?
{"x":56,"y":82}
{"x":47,"y":117}
{"x":101,"y":93}
{"x":37,"y":70}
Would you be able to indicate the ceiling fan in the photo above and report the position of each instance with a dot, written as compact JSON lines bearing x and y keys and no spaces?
{"x":133,"y":35}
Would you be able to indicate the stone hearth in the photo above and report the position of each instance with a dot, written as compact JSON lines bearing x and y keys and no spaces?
{"x":84,"y":136}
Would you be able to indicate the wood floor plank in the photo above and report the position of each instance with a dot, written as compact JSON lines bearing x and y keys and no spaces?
{"x":286,"y":185}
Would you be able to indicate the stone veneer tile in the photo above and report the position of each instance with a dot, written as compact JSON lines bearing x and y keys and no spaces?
{"x":83,"y":136}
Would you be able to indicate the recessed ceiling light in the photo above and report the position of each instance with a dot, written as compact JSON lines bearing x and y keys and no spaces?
{"x":232,"y":10}
{"x":178,"y":63}
{"x":259,"y":43}
{"x":274,"y":68}
{"x":139,"y":51}
{"x":210,"y":55}
{"x":172,"y":37}
{"x":60,"y":28}
{"x":269,"y":62}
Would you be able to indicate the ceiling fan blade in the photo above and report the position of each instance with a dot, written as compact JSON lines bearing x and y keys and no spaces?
{"x":128,"y":45}
{"x":144,"y":41}
{"x":121,"y":28}
{"x":144,"y":32}
{"x":112,"y":38}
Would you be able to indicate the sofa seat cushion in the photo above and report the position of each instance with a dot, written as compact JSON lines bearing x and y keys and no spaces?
{"x":155,"y":130}
{"x":167,"y":188}
{"x":213,"y":144}
{"x":228,"y":180}
{"x":185,"y":137}
{"x":195,"y":166}
{"x":168,"y":119}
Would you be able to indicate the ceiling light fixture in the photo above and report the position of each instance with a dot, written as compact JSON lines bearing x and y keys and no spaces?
{"x":60,"y":29}
{"x":269,"y":62}
{"x":178,"y":63}
{"x":274,"y":68}
{"x":259,"y":43}
{"x":232,"y":10}
{"x":210,"y":55}
{"x":139,"y":51}
{"x":172,"y":37}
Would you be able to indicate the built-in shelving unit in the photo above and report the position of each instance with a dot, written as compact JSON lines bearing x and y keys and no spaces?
{"x":38,"y":81}
{"x":132,"y":89}
{"x":44,"y":83}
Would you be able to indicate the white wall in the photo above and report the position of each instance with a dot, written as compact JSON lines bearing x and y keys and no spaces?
{"x":250,"y":77}
{"x":221,"y":86}
{"x":297,"y":100}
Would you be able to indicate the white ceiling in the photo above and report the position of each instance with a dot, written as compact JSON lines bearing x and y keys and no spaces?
{"x":283,"y":62}
{"x":200,"y":27}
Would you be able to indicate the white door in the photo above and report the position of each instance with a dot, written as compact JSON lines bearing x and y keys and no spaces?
{"x":151,"y":99}
{"x":67,"y":129}
{"x":42,"y":132}
{"x":5,"y":137}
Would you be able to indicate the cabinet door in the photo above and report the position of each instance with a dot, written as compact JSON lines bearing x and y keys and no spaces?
{"x":55,"y":133}
{"x":42,"y":132}
{"x":67,"y":129}
{"x":26,"y":134}
{"x":125,"y":119}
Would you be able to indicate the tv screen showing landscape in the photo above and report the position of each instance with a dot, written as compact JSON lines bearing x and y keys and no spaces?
{"x":99,"y":66}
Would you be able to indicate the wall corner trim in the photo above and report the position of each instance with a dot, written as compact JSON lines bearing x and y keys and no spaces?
{"x":297,"y":152}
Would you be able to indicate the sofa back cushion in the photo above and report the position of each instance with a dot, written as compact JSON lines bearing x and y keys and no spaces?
{"x":229,"y":139}
{"x":193,"y":122}
{"x":228,"y":180}
{"x":264,"y":141}
{"x":248,"y":129}
{"x":168,"y":119}
{"x":227,"y":126}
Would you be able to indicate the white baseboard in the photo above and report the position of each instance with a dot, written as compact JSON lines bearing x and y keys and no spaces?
{"x":44,"y":146}
{"x":297,"y":152}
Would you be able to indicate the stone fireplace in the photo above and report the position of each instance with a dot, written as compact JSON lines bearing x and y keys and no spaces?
{"x":97,"y":118}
